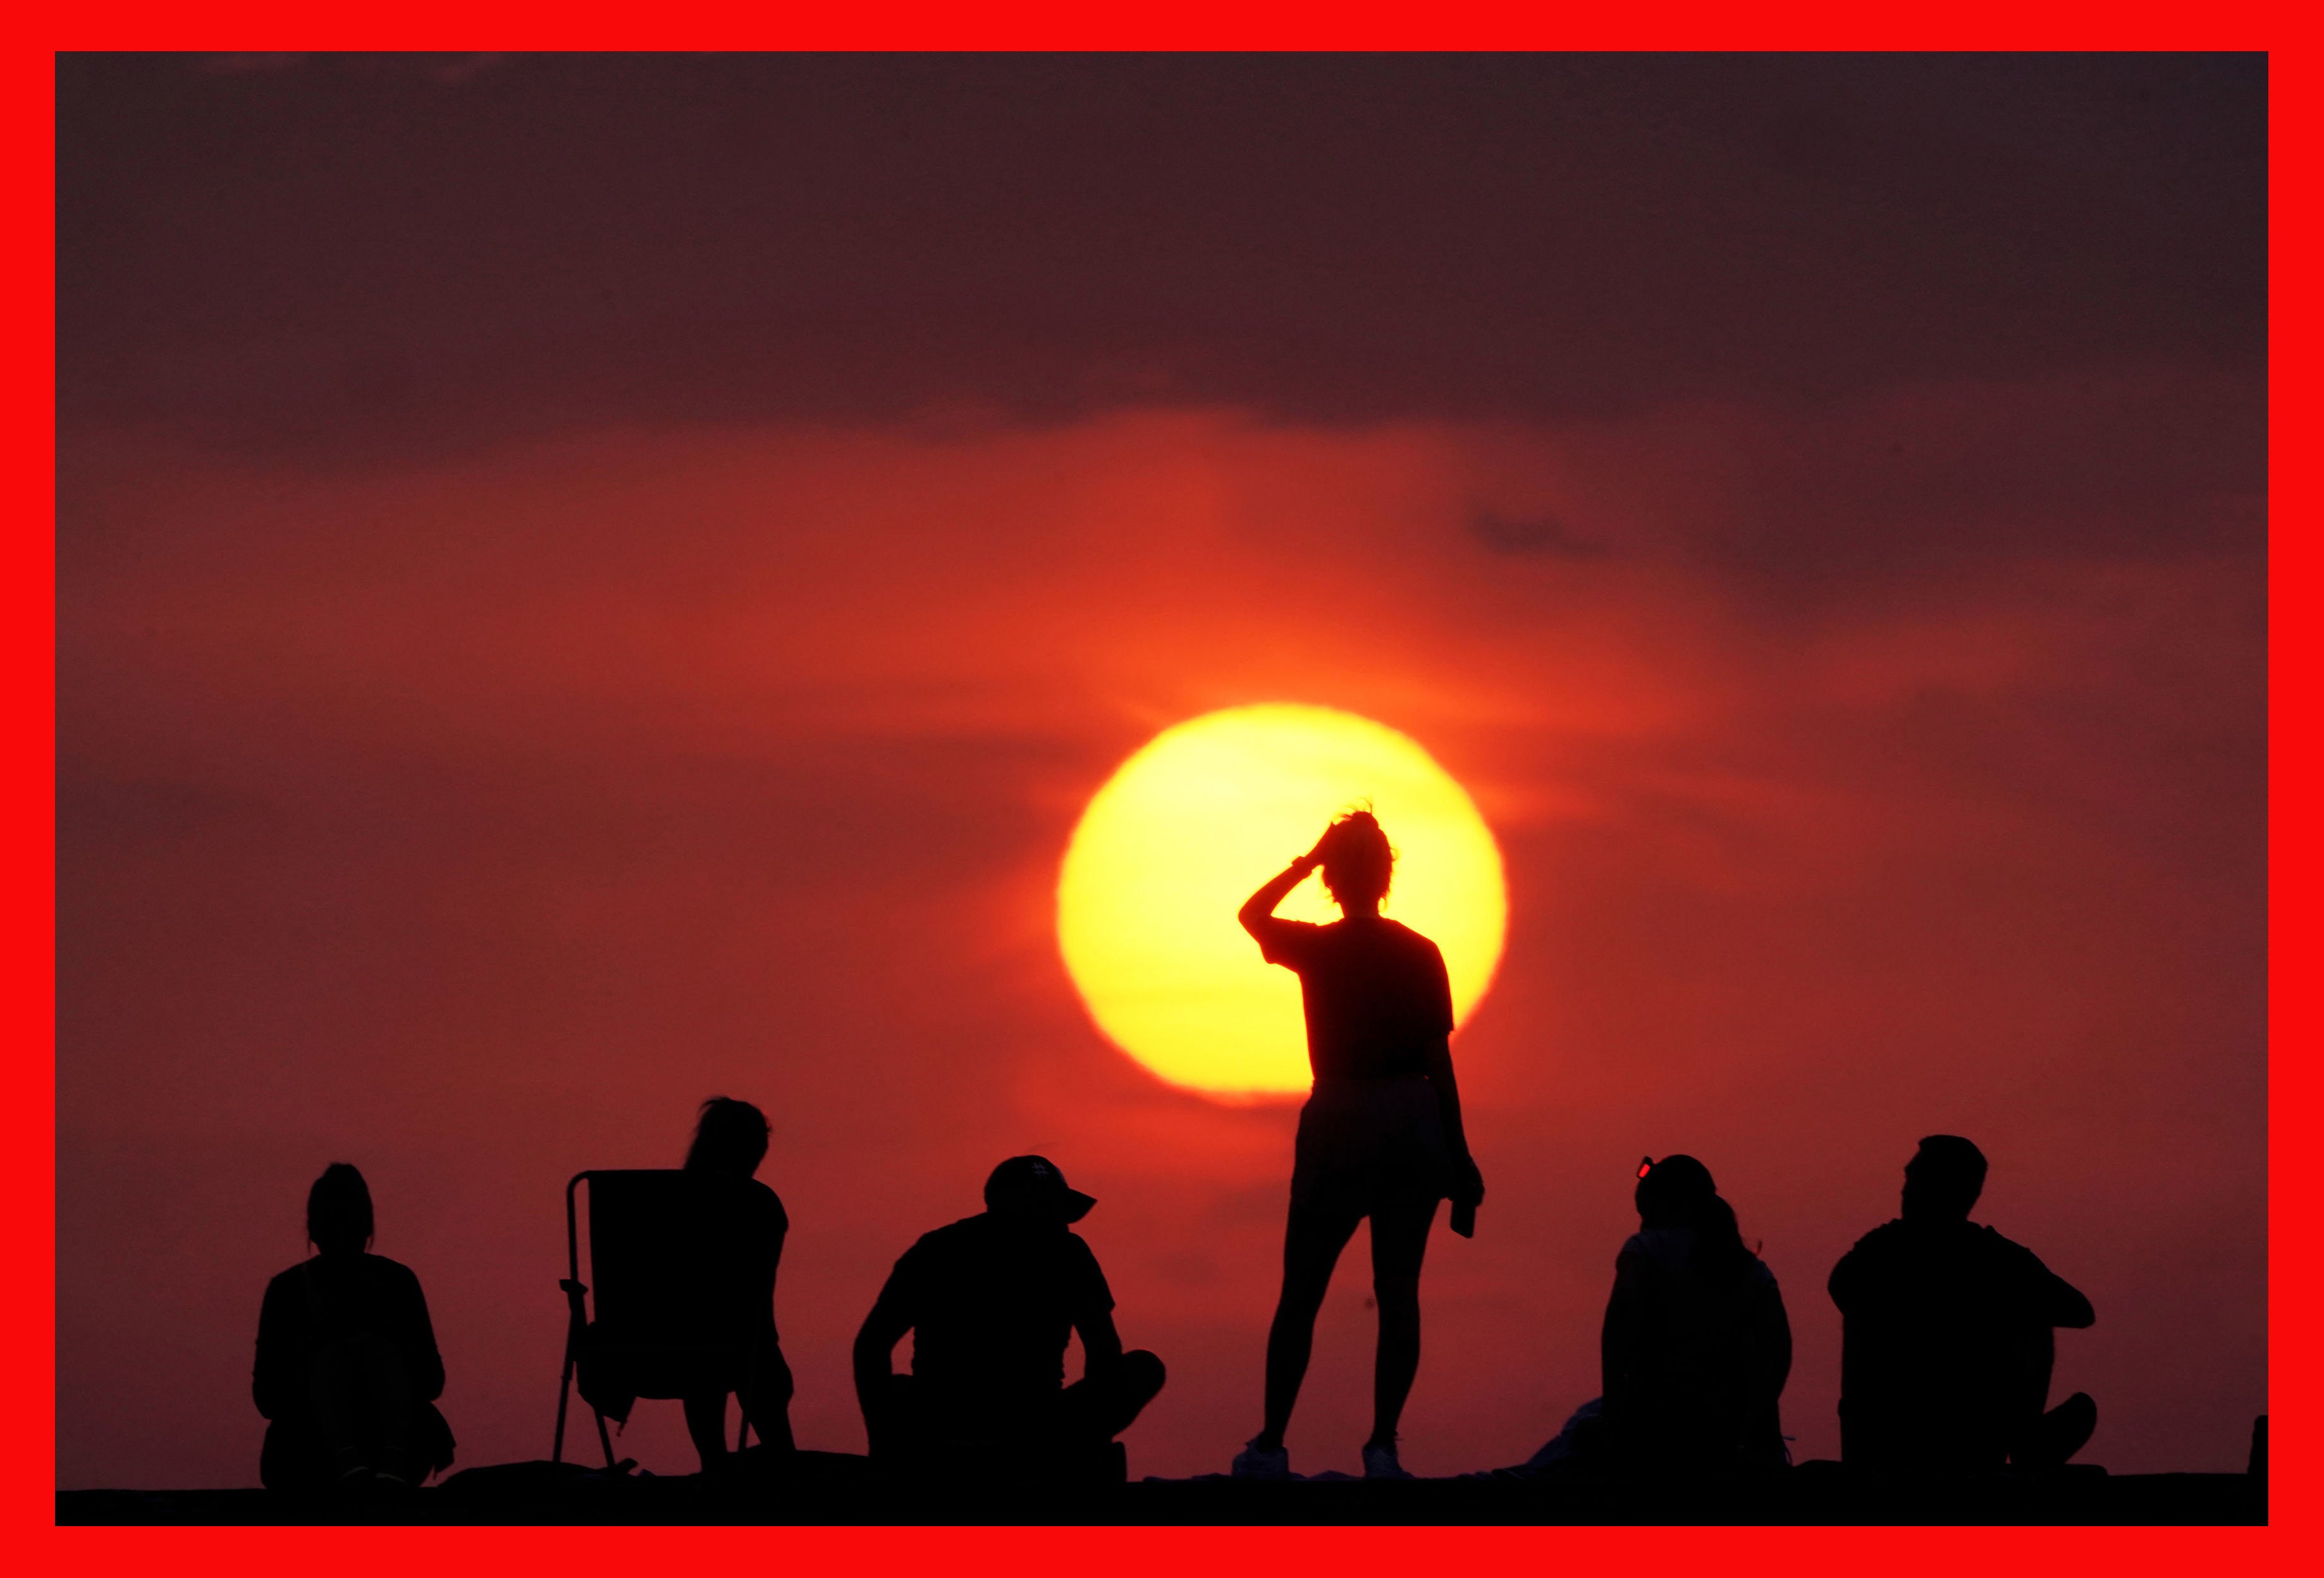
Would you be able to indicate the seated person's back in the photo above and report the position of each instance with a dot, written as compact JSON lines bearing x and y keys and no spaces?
{"x":1696,"y":1345}
{"x":1947,"y":1332}
{"x":347,"y":1370}
{"x":992,"y":1301}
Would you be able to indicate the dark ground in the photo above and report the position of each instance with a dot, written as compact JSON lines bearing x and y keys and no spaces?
{"x":833,"y":1488}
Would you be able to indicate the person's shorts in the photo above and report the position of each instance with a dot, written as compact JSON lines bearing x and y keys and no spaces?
{"x":1370,"y":1144}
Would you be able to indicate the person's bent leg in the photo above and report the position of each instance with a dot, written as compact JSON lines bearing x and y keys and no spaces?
{"x":1100,"y":1411}
{"x":335,"y":1392}
{"x":392,"y":1409}
{"x":1399,"y":1241}
{"x":1312,"y":1239}
{"x":706,"y":1422}
{"x":768,"y":1405}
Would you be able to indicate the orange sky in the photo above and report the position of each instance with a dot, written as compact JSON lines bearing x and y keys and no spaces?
{"x":1870,"y":762}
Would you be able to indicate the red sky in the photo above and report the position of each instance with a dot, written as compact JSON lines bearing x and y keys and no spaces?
{"x":588,"y":584}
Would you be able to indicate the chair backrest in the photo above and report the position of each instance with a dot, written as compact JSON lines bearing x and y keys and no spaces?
{"x":662,"y":1258}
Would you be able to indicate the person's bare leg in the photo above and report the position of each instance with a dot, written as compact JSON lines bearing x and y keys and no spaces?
{"x":1312,"y":1242}
{"x":706,"y":1421}
{"x":1399,"y":1240}
{"x":768,"y":1406}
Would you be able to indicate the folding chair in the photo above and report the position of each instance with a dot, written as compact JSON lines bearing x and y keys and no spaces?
{"x":663,"y":1317}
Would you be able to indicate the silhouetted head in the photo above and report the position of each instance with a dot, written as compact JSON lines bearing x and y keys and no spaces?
{"x":1672,"y":1192}
{"x":1029,"y":1191}
{"x":730,"y":1140}
{"x":338,"y":1211}
{"x":1678,"y":1192}
{"x":1357,"y":861}
{"x":1943,"y":1180}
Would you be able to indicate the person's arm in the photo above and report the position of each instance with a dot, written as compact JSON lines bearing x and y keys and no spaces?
{"x":427,"y":1362}
{"x":1468,"y":1181}
{"x":1775,"y":1342}
{"x":2055,"y":1301}
{"x":1257,"y":912}
{"x":774,"y":1228}
{"x":875,"y":1344}
{"x":1847,"y":1277}
{"x":1621,"y":1339}
{"x":271,"y":1386}
{"x":1101,"y":1343}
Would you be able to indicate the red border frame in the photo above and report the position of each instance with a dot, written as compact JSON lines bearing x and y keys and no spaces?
{"x":27,"y":1164}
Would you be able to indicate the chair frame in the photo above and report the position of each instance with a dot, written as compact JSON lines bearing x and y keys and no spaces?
{"x":576,"y":1326}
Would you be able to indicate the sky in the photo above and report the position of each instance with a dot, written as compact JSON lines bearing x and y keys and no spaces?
{"x":586,"y":584}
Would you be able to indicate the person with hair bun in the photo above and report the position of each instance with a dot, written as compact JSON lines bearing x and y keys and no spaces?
{"x":1696,"y":1345}
{"x":1380,"y":1136}
{"x":1695,"y":1350}
{"x":747,"y":1221}
{"x":347,"y":1371}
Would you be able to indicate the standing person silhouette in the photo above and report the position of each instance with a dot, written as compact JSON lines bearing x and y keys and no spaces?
{"x":1380,"y":1136}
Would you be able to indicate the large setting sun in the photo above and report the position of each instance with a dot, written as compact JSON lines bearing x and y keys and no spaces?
{"x":1208,"y":810}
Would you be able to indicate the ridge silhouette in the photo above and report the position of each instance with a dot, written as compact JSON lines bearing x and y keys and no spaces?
{"x":1948,"y":1328}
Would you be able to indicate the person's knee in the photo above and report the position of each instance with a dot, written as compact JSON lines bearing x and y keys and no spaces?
{"x":1143,"y":1374}
{"x":1397,"y":1289}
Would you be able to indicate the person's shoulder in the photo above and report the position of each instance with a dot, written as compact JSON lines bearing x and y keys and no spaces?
{"x":381,"y":1269}
{"x":1888,"y":1235}
{"x":951,"y":1235}
{"x":284,"y":1280}
{"x":1993,"y":1243}
{"x":1408,"y":937}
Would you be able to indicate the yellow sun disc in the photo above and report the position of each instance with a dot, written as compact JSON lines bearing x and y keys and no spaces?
{"x":1192,"y":824}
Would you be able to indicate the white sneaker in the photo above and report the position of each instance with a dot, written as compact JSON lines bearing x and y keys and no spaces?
{"x":1381,"y":1463}
{"x":1252,"y":1464}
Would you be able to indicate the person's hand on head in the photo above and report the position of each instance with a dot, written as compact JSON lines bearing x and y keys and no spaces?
{"x":1315,"y":857}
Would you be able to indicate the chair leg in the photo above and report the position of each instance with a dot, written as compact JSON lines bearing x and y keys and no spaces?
{"x":604,"y":1439}
{"x":564,"y":1396}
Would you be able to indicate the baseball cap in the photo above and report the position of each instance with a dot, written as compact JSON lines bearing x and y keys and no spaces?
{"x":1032,"y":1184}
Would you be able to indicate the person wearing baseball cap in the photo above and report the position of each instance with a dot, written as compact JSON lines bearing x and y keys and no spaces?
{"x":991,"y":1301}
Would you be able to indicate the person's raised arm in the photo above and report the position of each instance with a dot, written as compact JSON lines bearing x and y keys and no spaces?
{"x":1259,"y":908}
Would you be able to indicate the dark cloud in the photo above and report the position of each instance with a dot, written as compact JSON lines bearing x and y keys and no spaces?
{"x":348,"y":259}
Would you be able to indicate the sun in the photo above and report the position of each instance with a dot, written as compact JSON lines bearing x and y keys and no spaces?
{"x":1208,"y":810}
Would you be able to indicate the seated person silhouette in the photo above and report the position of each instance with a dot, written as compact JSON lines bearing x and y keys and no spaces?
{"x":347,"y":1371}
{"x":1695,"y":1347}
{"x":1947,"y":1334}
{"x":712,"y":1315}
{"x":991,"y":1301}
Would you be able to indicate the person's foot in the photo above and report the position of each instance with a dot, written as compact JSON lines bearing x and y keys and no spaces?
{"x":1255,"y":1462}
{"x":1381,"y":1463}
